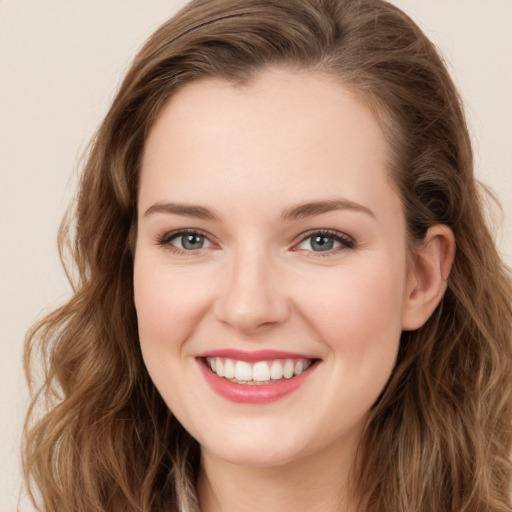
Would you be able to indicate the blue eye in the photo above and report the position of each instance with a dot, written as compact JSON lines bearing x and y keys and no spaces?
{"x":325,"y":241}
{"x":186,"y":240}
{"x":190,"y":242}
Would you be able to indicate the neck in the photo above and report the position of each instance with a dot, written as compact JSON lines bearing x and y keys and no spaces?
{"x":316,"y":482}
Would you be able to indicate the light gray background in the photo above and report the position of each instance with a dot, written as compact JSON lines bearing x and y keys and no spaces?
{"x":60,"y":63}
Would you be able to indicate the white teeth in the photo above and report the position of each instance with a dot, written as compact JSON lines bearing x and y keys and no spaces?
{"x":276,"y":370}
{"x":229,"y":369}
{"x":288,"y":369}
{"x":219,"y":367}
{"x":243,"y":371}
{"x":260,"y":371}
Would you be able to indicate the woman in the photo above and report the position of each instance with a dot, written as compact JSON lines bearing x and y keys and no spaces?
{"x":287,"y":294}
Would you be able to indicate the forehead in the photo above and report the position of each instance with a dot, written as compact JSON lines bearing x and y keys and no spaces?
{"x":274,"y":93}
{"x":285,"y":132}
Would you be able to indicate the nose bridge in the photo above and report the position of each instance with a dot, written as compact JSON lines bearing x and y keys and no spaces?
{"x":251,"y":296}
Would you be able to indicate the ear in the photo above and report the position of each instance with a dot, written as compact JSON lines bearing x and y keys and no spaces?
{"x":428,"y":269}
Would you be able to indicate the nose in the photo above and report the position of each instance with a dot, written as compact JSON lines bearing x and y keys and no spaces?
{"x":251,"y":296}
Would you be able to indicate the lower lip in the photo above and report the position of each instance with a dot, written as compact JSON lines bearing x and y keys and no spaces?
{"x":254,"y":393}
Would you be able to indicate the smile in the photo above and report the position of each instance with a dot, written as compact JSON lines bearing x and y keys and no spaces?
{"x":255,"y":377}
{"x":257,"y":373}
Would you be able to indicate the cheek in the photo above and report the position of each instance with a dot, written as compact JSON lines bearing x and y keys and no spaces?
{"x":359,"y":321}
{"x":359,"y":311}
{"x":169,"y":304}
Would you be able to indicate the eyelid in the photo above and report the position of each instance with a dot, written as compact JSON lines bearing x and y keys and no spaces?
{"x":346,"y":241}
{"x":164,"y":240}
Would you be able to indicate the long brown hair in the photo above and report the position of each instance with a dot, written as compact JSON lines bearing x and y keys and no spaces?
{"x":99,"y":437}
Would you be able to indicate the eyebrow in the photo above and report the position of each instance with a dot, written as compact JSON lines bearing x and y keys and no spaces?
{"x":300,"y":211}
{"x":199,"y":212}
{"x":318,"y":207}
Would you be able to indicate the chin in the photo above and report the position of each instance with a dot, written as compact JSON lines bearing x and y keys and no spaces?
{"x":257,"y":456}
{"x":256,"y":447}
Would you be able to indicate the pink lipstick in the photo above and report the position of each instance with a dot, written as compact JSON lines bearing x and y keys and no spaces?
{"x":255,"y":377}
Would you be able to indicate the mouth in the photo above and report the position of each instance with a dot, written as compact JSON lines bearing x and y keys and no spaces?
{"x":255,"y":377}
{"x":257,"y":373}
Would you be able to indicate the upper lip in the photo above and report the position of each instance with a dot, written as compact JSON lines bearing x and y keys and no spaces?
{"x":253,"y":355}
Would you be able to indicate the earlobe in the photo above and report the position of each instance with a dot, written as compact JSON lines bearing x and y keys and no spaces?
{"x":429,"y":268}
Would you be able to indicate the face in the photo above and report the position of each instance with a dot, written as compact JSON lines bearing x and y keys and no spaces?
{"x":271,"y":247}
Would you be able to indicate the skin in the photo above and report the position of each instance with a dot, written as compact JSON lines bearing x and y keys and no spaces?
{"x":249,"y":154}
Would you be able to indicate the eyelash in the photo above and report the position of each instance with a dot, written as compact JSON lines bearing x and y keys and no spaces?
{"x":345,"y":241}
{"x":166,"y":239}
